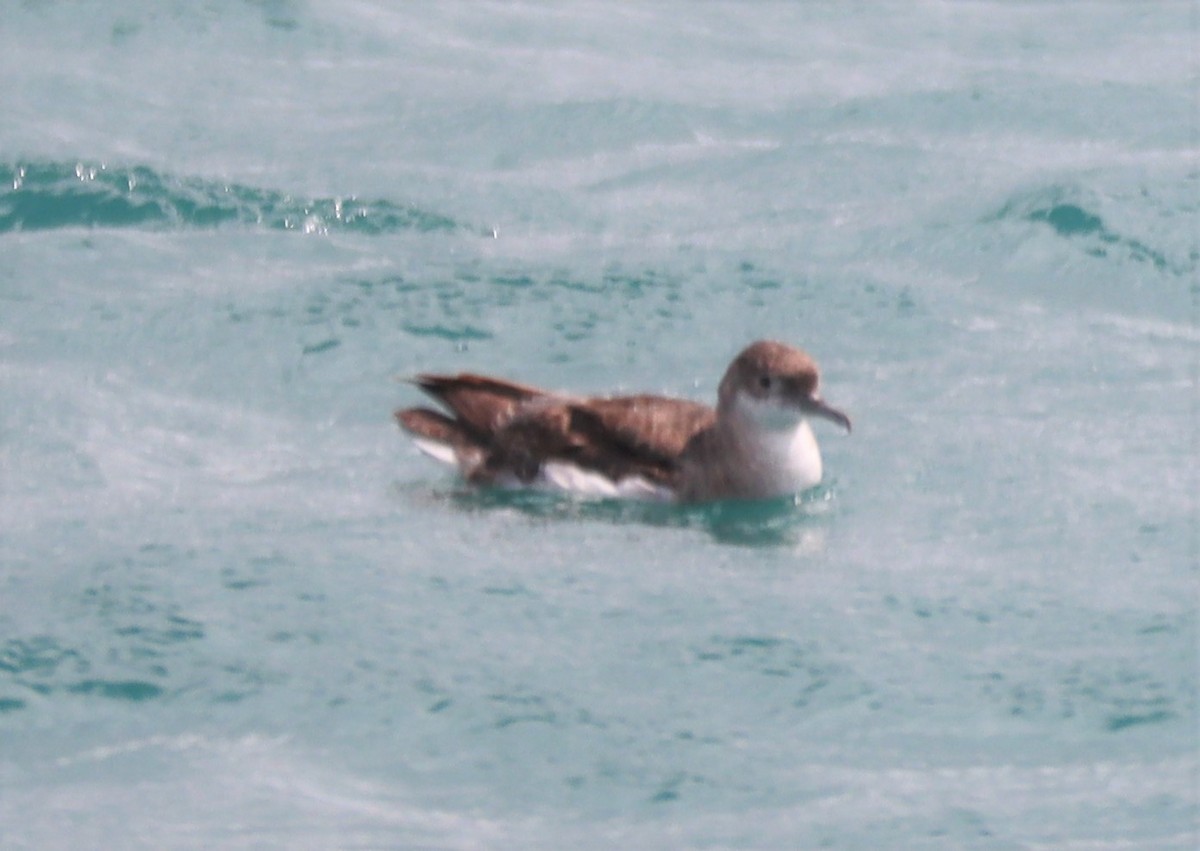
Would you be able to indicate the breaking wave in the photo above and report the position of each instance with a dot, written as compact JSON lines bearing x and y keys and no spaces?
{"x":48,"y":196}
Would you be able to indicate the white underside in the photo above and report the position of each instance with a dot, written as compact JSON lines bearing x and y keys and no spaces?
{"x":562,"y":477}
{"x":440,"y":452}
{"x":791,"y":459}
{"x":778,"y":445}
{"x":570,"y":478}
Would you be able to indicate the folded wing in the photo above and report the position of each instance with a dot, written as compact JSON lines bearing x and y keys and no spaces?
{"x":499,"y":430}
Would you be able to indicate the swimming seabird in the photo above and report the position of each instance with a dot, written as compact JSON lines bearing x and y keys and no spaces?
{"x":756,"y":443}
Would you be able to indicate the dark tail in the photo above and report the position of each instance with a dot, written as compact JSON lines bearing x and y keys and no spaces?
{"x":423,"y":422}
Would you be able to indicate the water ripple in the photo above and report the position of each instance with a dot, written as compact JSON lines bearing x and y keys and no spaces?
{"x":1072,"y":214}
{"x":53,"y":195}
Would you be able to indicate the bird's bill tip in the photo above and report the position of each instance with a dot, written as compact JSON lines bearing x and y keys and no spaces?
{"x":820,"y":408}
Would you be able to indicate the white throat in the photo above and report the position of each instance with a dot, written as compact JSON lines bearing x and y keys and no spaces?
{"x":777,"y":446}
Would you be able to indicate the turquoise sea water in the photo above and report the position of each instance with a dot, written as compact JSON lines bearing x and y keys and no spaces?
{"x":237,"y":609}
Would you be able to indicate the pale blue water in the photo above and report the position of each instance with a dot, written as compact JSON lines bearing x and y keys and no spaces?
{"x":238,"y":610}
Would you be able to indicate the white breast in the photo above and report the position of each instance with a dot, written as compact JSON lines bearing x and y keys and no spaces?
{"x":786,"y":461}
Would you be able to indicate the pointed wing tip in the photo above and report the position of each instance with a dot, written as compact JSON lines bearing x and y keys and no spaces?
{"x":417,"y":379}
{"x":421,"y":421}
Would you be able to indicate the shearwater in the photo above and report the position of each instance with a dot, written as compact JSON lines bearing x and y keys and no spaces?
{"x":756,"y":444}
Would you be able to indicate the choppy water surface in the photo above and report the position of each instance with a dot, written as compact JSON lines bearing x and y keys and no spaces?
{"x":237,"y":609}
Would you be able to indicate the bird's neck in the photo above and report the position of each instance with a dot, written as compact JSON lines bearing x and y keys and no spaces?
{"x":747,"y":460}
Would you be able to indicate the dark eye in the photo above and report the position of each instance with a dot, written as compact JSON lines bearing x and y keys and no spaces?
{"x":764,"y":381}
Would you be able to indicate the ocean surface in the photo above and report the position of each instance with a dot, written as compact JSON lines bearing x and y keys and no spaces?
{"x":239,"y":610}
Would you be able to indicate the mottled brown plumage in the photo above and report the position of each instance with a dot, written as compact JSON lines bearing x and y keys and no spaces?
{"x":500,"y":432}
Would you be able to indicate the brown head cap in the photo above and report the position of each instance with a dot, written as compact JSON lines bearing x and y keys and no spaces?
{"x":770,"y":369}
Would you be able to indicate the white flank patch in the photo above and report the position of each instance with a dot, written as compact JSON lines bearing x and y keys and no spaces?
{"x":442,"y":452}
{"x":560,"y":476}
{"x":563,"y":476}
